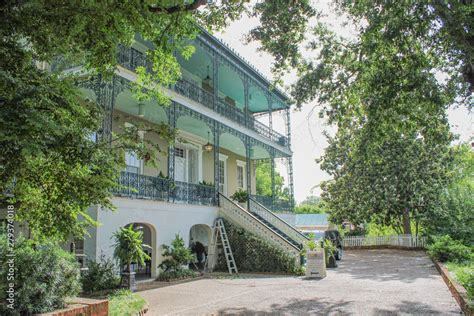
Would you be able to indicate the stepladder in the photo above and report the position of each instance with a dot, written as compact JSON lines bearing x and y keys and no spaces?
{"x":220,"y":240}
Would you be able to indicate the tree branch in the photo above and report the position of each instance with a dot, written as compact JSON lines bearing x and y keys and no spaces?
{"x":178,"y":8}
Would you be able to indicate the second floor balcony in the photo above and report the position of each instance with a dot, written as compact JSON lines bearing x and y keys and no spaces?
{"x":221,"y":90}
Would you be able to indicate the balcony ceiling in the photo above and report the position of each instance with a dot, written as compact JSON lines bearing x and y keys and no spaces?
{"x":151,"y":110}
{"x":230,"y":84}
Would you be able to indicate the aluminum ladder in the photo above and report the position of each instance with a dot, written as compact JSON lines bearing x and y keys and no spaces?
{"x":219,"y":230}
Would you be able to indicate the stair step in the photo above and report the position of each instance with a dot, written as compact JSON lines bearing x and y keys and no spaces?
{"x":289,"y":239}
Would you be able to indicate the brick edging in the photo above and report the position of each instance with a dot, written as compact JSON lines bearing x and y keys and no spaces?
{"x":456,"y":289}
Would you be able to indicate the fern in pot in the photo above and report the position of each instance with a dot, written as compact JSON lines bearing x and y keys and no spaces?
{"x":240,"y":196}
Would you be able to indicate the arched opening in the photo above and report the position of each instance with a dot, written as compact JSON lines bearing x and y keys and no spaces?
{"x":148,"y":270}
{"x":199,"y":241}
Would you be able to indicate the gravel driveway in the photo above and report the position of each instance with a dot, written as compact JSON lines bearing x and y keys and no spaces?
{"x":367,"y":282}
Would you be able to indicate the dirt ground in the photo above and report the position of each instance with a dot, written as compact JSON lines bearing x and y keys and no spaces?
{"x":367,"y":282}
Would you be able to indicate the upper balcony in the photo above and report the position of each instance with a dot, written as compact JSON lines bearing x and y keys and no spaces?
{"x":221,"y":85}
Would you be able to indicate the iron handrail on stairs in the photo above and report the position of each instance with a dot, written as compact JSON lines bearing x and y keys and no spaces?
{"x":276,"y":221}
{"x":238,"y":215}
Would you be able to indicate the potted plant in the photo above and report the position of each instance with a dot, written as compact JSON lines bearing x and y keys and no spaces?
{"x":329,"y":252}
{"x":315,"y":261}
{"x":241,"y":197}
{"x":128,"y":244}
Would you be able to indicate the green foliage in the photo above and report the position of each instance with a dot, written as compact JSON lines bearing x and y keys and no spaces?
{"x":446,"y":249}
{"x":374,"y":229}
{"x":240,"y":196}
{"x":464,"y":274}
{"x":312,"y":205}
{"x":210,"y":184}
{"x":44,"y":125}
{"x":264,"y":181}
{"x":329,"y":249}
{"x":128,"y":246}
{"x":172,"y":275}
{"x":124,"y":302}
{"x":390,"y":158}
{"x":100,"y":275}
{"x":45,"y":276}
{"x":454,"y":215}
{"x":177,"y":256}
{"x":252,"y":254}
{"x":311,"y":244}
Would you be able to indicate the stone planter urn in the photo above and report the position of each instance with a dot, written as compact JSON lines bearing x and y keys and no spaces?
{"x":128,"y":281}
{"x":315,"y":264}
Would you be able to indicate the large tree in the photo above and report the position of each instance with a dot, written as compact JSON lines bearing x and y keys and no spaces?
{"x":387,"y":90}
{"x":45,"y":125}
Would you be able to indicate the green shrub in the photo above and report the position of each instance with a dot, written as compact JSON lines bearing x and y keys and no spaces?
{"x":124,"y":302}
{"x":446,"y":249}
{"x":329,"y":250}
{"x":100,"y":275}
{"x":178,"y":256}
{"x":252,"y":254}
{"x":176,"y":275}
{"x":45,"y":276}
{"x":464,"y":275}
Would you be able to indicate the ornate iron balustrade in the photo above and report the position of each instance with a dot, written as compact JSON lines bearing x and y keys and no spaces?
{"x":236,"y":214}
{"x":270,"y":217}
{"x":131,"y":58}
{"x":274,"y":204}
{"x":156,"y":188}
{"x":194,"y":193}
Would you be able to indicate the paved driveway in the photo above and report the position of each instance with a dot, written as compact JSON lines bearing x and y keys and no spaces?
{"x":367,"y":282}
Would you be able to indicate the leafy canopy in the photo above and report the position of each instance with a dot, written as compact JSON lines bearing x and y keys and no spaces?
{"x":45,"y":123}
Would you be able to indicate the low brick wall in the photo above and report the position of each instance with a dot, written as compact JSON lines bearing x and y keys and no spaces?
{"x":457,"y":290}
{"x":84,"y":307}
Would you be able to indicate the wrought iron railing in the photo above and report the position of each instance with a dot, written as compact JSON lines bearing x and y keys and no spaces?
{"x":277,"y":222}
{"x":157,"y":188}
{"x":238,"y":215}
{"x":194,"y":193}
{"x":274,"y":204}
{"x":131,"y":58}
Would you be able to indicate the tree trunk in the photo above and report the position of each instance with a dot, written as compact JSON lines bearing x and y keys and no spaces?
{"x":406,"y":222}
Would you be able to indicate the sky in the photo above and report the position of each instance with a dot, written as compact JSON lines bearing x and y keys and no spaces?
{"x":308,"y":142}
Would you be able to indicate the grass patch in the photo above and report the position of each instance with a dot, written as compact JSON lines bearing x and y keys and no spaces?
{"x":464,"y":274}
{"x":124,"y":303}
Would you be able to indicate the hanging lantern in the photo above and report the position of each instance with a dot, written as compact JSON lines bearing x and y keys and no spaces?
{"x":208,"y":147}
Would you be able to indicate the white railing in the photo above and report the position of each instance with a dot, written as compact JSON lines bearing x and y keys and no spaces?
{"x":407,"y":241}
{"x":277,"y":222}
{"x":239,"y":216}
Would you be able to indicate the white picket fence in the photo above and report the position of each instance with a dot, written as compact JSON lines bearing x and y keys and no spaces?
{"x":407,"y":241}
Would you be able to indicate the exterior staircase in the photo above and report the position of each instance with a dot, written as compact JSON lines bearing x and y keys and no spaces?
{"x":265,"y":224}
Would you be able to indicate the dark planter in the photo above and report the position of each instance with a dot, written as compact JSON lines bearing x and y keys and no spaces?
{"x":331,"y":263}
{"x":128,"y":281}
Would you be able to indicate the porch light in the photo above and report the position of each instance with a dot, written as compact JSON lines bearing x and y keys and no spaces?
{"x":208,"y":147}
{"x":141,"y":109}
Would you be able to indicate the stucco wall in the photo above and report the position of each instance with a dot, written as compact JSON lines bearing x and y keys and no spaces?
{"x":165,"y":219}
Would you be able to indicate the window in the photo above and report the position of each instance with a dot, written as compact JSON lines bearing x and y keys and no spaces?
{"x":133,"y":163}
{"x":180,"y":152}
{"x":241,"y":183}
{"x":221,"y":176}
